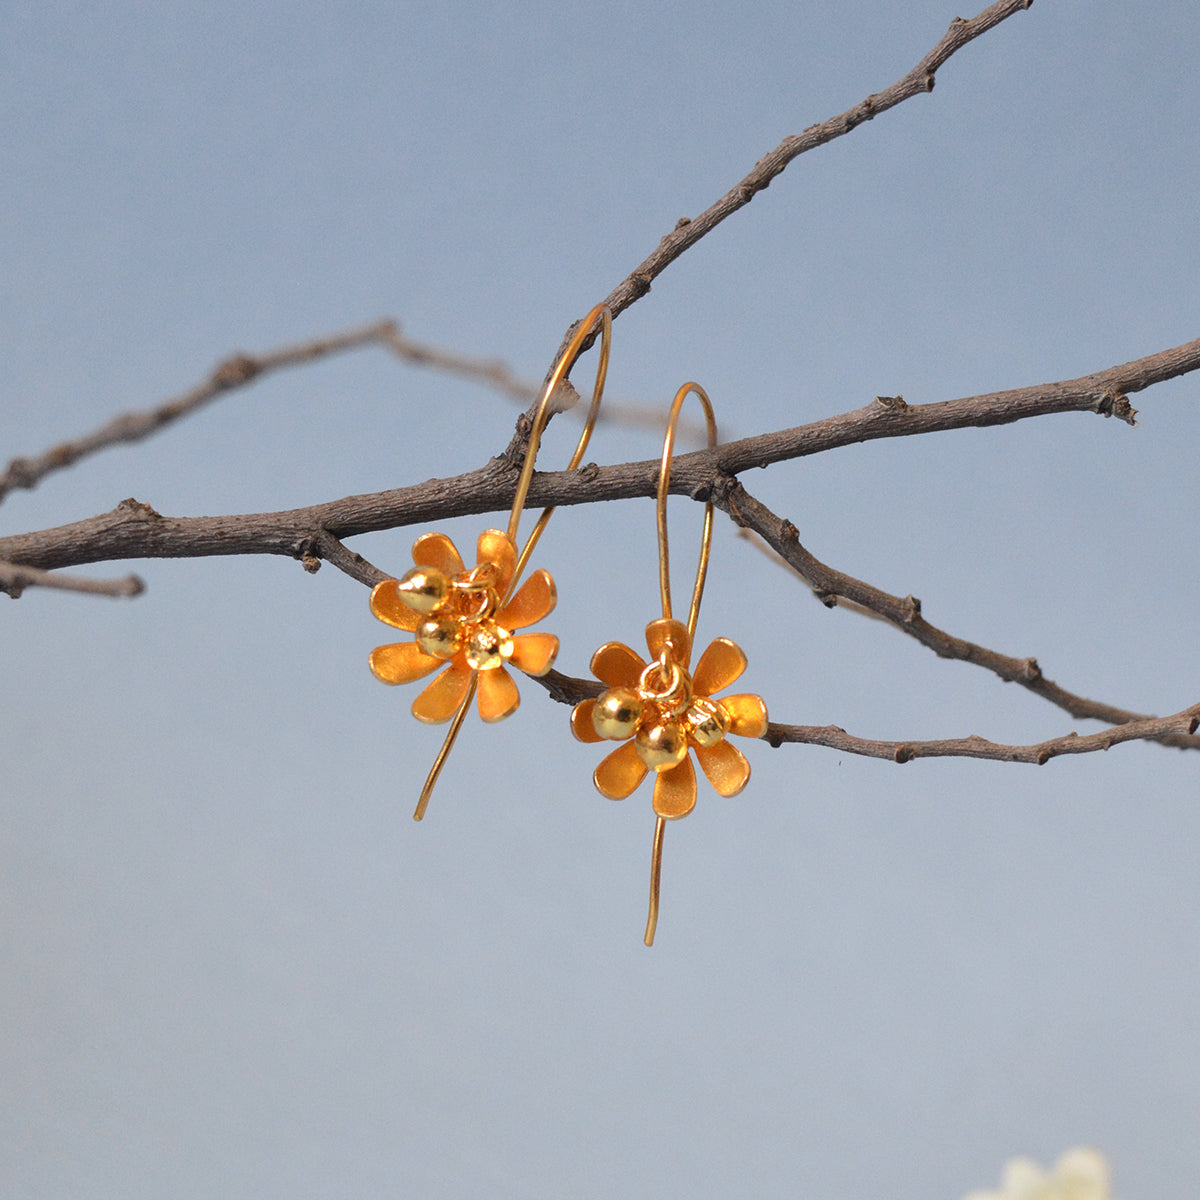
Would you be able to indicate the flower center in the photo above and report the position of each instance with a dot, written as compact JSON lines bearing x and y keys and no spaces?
{"x":487,"y":645}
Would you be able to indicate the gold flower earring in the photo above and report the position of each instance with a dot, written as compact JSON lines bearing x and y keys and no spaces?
{"x":465,"y":621}
{"x":663,"y":709}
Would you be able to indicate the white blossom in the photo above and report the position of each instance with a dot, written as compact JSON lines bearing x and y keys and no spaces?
{"x":1080,"y":1174}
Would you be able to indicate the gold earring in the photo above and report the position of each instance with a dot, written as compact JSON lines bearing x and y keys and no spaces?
{"x":663,"y":709}
{"x":465,"y":621}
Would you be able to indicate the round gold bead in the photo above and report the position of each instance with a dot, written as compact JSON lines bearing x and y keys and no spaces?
{"x":662,"y":746}
{"x":707,"y":721}
{"x":439,"y":637}
{"x":488,"y":646}
{"x":425,"y":589}
{"x":617,"y":713}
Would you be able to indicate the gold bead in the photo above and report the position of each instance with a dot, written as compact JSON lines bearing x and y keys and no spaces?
{"x":662,"y":746}
{"x":617,"y":713}
{"x":707,"y":720}
{"x":425,"y":589}
{"x":488,"y":646}
{"x":439,"y":636}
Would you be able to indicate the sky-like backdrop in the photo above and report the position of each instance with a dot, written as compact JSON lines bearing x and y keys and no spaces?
{"x":232,"y":965}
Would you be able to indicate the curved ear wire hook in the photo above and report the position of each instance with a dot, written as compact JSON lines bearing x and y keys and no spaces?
{"x":664,"y":483}
{"x":664,"y":581}
{"x":600,"y":315}
{"x":541,"y":418}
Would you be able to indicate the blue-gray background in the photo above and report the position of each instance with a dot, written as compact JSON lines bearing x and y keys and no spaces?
{"x":234,"y":966}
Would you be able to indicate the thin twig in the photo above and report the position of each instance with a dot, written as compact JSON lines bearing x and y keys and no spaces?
{"x":333,"y":551}
{"x":496,"y":374}
{"x":904,"y":614}
{"x":14,"y":579}
{"x":689,"y":230}
{"x":1176,"y":730}
{"x":241,"y":369}
{"x":753,"y":538}
{"x":234,"y":372}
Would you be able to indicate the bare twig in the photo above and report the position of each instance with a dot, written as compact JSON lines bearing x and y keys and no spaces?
{"x":498,"y":375}
{"x":234,"y":372}
{"x":1176,"y":730}
{"x":330,"y":549}
{"x":489,"y":371}
{"x":689,"y":230}
{"x":14,"y":579}
{"x":755,"y":539}
{"x":241,"y":369}
{"x":905,"y":614}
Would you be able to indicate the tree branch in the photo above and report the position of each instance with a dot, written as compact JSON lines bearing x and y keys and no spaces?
{"x":905,"y":614}
{"x":1175,"y":730}
{"x":689,"y":230}
{"x":234,"y":372}
{"x":14,"y":579}
{"x":134,"y":530}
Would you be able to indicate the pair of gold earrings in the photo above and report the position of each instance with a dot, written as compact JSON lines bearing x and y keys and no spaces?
{"x":466,"y":622}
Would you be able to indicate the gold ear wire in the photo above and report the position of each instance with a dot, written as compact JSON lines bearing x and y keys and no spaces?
{"x":664,"y":483}
{"x":664,"y":583}
{"x":542,"y":416}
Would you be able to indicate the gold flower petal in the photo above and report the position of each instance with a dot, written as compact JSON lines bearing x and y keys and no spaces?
{"x":498,"y":695}
{"x":437,"y":550}
{"x":659,"y":632}
{"x":581,"y":722}
{"x":747,"y":714}
{"x":726,"y":767}
{"x":440,"y":700}
{"x":496,"y":547}
{"x":401,"y":662}
{"x":675,"y":791}
{"x":534,"y":599}
{"x":620,"y":773}
{"x":722,"y":663}
{"x":387,"y":606}
{"x":534,"y":653}
{"x":616,"y":665}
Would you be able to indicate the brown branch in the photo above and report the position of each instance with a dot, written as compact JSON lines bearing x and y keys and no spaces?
{"x":14,"y":579}
{"x":127,"y":531}
{"x":330,"y":549}
{"x":689,"y":230}
{"x":1175,"y":730}
{"x":242,"y":369}
{"x":904,"y":614}
{"x":1103,"y":392}
{"x":496,"y":374}
{"x":234,"y":372}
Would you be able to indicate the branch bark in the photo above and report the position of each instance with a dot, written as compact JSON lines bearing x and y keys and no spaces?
{"x":689,"y":230}
{"x":235,"y":372}
{"x":14,"y":579}
{"x":1174,"y":730}
{"x":134,"y":530}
